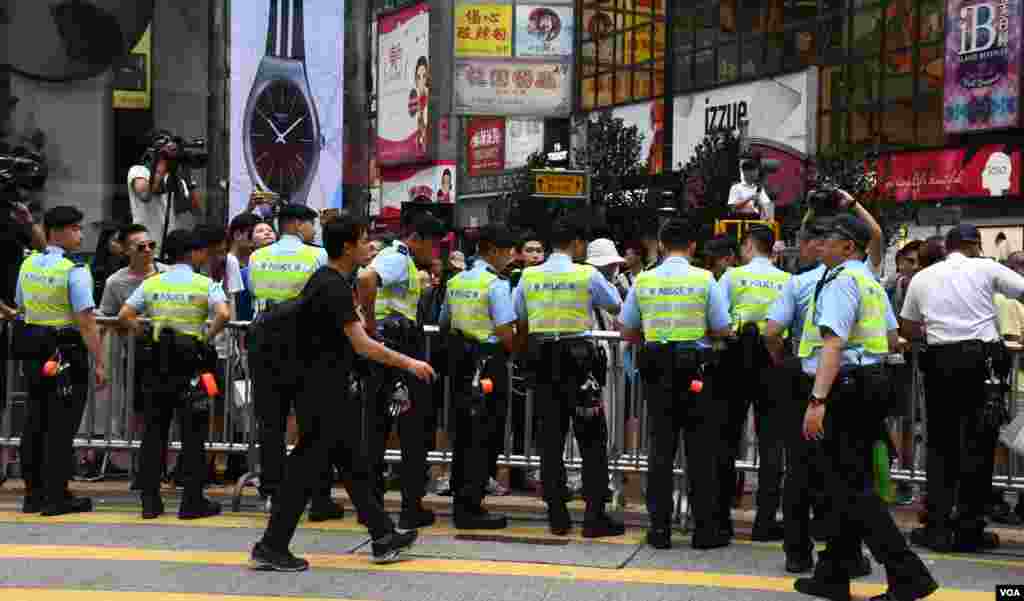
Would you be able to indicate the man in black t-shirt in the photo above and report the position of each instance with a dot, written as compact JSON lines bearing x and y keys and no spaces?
{"x":329,"y":428}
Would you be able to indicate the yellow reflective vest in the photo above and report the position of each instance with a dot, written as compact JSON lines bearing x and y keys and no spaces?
{"x":46,"y":292}
{"x":183,"y":306}
{"x":558,"y":303}
{"x":469,"y":305}
{"x":673,"y":308}
{"x":751,"y":294}
{"x":868,"y":332}
{"x":280,"y":277}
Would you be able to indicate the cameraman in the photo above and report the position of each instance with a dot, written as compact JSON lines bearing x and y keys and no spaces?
{"x":159,"y":195}
{"x":747,"y":197}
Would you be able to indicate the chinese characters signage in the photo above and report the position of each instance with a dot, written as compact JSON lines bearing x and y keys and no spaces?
{"x":485,"y":144}
{"x":483,"y":30}
{"x":519,"y":88}
{"x":403,"y":132}
{"x":988,"y":171}
{"x":982,"y":70}
{"x":544,"y":30}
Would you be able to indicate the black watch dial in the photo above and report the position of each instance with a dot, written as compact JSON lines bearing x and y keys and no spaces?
{"x":282,"y":136}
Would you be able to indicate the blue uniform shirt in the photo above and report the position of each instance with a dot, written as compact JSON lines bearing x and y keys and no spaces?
{"x":602,"y":293}
{"x":717,"y":302}
{"x":79,"y":281}
{"x":499,"y":297}
{"x":393,"y":267}
{"x":790,"y":309}
{"x":837,"y":309}
{"x":178,"y":274}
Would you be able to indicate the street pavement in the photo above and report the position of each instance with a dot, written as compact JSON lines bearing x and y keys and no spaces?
{"x":114,"y":555}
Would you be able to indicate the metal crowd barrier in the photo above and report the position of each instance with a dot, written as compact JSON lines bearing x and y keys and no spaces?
{"x":109,"y":416}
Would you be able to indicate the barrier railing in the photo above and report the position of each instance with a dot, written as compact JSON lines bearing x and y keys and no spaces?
{"x":110,"y":422}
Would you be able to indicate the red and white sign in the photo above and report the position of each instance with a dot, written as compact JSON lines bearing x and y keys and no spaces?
{"x":403,"y":129}
{"x":986,"y":171}
{"x":415,"y":183}
{"x":485,"y":144}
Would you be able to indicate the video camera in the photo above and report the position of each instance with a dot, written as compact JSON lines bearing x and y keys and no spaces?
{"x":192,"y":154}
{"x":22,"y":169}
{"x":825,"y":200}
{"x":765,"y":166}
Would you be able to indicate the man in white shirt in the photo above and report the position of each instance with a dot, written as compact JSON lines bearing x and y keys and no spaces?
{"x":747,"y":197}
{"x":148,"y":195}
{"x":951,"y":304}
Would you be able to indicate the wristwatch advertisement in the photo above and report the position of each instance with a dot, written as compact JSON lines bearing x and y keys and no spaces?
{"x":286,"y":130}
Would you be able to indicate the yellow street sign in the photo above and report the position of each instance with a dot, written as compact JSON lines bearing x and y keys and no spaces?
{"x":560,"y":184}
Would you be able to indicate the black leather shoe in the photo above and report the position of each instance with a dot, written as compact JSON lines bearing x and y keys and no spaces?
{"x":68,"y":505}
{"x":478,"y":518}
{"x":768,"y":532}
{"x":326,"y":510}
{"x":937,"y":539}
{"x":559,"y":520}
{"x":200,"y":508}
{"x":152,"y":507}
{"x":919,"y":592}
{"x":799,"y":564}
{"x":265,"y":559}
{"x":416,"y":517}
{"x":602,"y":525}
{"x":834,"y":591}
{"x":388,"y":549}
{"x":32,"y":504}
{"x":660,"y":538}
{"x":706,"y":542}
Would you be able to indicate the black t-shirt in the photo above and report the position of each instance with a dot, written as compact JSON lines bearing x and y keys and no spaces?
{"x":331,"y":306}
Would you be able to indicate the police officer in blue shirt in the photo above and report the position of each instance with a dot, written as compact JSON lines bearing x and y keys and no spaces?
{"x":481,"y":320}
{"x":673,"y":309}
{"x":56,"y":296}
{"x":849,"y":328}
{"x":554,"y":300}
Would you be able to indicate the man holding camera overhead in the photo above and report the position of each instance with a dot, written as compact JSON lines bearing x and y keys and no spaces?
{"x":159,"y":193}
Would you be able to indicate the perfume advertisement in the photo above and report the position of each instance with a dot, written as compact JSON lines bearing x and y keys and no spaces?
{"x":403,"y":55}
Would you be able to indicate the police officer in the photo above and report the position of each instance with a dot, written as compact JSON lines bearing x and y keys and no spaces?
{"x":848,"y":330}
{"x":478,"y":310}
{"x":391,"y":314}
{"x":552,"y":300}
{"x":751,"y":290}
{"x":56,"y":296}
{"x":179,"y":302}
{"x":672,"y":310}
{"x":278,"y":272}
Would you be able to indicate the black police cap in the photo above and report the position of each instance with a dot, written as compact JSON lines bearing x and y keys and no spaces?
{"x":62,"y":216}
{"x":817,"y":228}
{"x":297,"y":212}
{"x":964,"y":232}
{"x":852,"y":228}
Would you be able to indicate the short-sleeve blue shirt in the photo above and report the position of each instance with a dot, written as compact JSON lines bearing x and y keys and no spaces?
{"x":790,"y":309}
{"x":717,"y":303}
{"x":393,"y":267}
{"x":79,"y":281}
{"x":602,"y":293}
{"x":178,"y":274}
{"x":499,"y":298}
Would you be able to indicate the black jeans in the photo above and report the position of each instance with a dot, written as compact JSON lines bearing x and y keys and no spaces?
{"x":328,"y":432}
{"x":556,"y":398}
{"x":51,"y":422}
{"x":160,"y":406}
{"x":960,"y":447}
{"x":806,"y":466}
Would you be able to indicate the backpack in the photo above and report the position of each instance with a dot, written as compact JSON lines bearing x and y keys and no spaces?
{"x":274,"y":334}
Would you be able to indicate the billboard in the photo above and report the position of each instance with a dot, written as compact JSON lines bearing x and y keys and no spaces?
{"x":544,"y":30}
{"x":523,"y":137}
{"x":513,"y":87}
{"x":987,"y":171}
{"x":982,"y":69}
{"x":286,"y":103}
{"x":416,"y":183}
{"x":403,"y":129}
{"x":483,"y":30}
{"x":485,"y":145}
{"x":649,"y":119}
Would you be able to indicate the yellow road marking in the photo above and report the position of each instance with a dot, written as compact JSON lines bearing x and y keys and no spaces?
{"x":47,"y":594}
{"x":461,"y":567}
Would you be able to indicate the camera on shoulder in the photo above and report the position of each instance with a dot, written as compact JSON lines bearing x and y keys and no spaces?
{"x":177,"y":151}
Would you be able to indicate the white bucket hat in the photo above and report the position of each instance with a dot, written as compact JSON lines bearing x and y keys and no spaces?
{"x":602,"y":253}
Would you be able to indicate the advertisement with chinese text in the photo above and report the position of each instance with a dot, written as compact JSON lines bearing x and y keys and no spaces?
{"x":403,"y":131}
{"x":544,"y":30}
{"x":483,"y":30}
{"x":982,"y":83}
{"x":513,"y":87}
{"x":485,"y":145}
{"x":286,"y":105}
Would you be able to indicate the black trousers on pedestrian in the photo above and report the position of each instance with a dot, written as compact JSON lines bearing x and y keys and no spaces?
{"x":161,"y":404}
{"x":52,"y":418}
{"x":852,"y":417}
{"x":557,"y":397}
{"x":414,"y":425}
{"x":329,"y":431}
{"x":672,"y":409}
{"x":475,"y":419}
{"x":960,"y":447}
{"x":806,"y":466}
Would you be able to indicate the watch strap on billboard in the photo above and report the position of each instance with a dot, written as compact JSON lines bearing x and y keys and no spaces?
{"x":286,"y":31}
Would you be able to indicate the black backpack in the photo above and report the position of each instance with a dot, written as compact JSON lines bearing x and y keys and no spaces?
{"x":274,"y":334}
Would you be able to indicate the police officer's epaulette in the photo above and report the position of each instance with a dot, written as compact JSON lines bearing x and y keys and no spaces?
{"x":402,"y":250}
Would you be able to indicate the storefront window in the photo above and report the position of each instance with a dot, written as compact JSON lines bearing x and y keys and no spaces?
{"x":630,"y":37}
{"x":728,"y":63}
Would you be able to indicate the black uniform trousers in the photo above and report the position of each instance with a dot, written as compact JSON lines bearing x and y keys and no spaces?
{"x":161,"y":403}
{"x":476,"y":419}
{"x":673,"y":408}
{"x":960,"y":447}
{"x":557,"y":397}
{"x":856,"y":407}
{"x":767,"y":388}
{"x":52,"y":416}
{"x":329,"y":431}
{"x":414,"y":424}
{"x":806,"y":466}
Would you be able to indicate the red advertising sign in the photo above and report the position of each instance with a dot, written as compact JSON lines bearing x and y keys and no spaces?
{"x":935,"y":175}
{"x":485,"y":144}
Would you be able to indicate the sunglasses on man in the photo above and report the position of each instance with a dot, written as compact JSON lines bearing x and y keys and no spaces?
{"x":144,"y":246}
